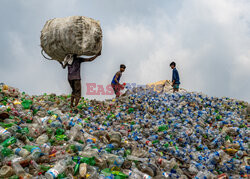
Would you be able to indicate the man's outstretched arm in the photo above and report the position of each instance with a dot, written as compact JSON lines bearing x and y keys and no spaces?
{"x":64,"y":66}
{"x":90,"y":59}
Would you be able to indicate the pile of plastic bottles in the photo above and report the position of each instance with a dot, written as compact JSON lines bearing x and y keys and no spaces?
{"x":140,"y":136}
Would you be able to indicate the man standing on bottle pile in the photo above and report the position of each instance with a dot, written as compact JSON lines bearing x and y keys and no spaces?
{"x":175,"y":77}
{"x":74,"y":76}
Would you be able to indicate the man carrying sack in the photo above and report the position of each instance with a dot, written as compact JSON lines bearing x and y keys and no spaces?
{"x":65,"y":39}
{"x":74,"y":75}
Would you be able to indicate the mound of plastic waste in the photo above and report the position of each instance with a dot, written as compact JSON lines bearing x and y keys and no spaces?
{"x":142,"y":135}
{"x":163,"y":86}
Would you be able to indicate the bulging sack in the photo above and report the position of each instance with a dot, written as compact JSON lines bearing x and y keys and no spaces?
{"x":71,"y":35}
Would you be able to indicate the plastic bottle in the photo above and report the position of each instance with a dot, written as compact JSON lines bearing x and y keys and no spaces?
{"x":92,"y":172}
{"x":42,"y":139}
{"x":21,"y":152}
{"x":73,"y":132}
{"x":35,"y":165}
{"x":8,"y":142}
{"x":18,"y":169}
{"x":239,"y":154}
{"x":83,"y":169}
{"x":4,"y":134}
{"x":46,"y":148}
{"x":6,"y":171}
{"x":34,"y":150}
{"x":146,"y":169}
{"x":137,"y":174}
{"x":42,"y":121}
{"x":58,"y":168}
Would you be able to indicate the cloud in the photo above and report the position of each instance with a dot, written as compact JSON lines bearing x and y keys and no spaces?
{"x":209,"y":40}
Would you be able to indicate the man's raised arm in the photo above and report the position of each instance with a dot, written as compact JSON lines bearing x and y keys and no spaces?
{"x":90,"y":59}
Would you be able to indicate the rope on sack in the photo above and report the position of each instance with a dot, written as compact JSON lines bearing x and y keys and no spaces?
{"x":44,"y":55}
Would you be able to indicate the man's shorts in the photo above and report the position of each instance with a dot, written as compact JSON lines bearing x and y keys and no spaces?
{"x":176,"y":86}
{"x":116,"y":89}
{"x":76,"y":88}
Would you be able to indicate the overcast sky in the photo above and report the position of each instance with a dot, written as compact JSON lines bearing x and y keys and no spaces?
{"x":208,"y":39}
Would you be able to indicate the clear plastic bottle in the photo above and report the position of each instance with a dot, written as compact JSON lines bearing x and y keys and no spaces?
{"x":35,"y":165}
{"x":42,"y":121}
{"x":145,"y":169}
{"x":83,"y":170}
{"x":6,"y":171}
{"x":92,"y":172}
{"x":21,"y":152}
{"x":42,"y":139}
{"x":18,"y":169}
{"x":239,"y":154}
{"x":45,"y":148}
{"x":59,"y":167}
{"x":118,"y":162}
{"x":4,"y":134}
{"x":139,"y":175}
{"x":73,"y":132}
{"x":35,"y":153}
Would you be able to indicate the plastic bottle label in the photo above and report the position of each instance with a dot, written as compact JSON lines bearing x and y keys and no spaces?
{"x":146,"y":177}
{"x":17,"y":151}
{"x":160,"y":161}
{"x":35,"y":148}
{"x":165,"y":174}
{"x":16,"y":159}
{"x":44,"y":119}
{"x":3,"y":131}
{"x":45,"y":146}
{"x":53,"y":172}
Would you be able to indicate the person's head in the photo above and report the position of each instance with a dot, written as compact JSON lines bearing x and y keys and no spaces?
{"x":172,"y":65}
{"x":122,"y":67}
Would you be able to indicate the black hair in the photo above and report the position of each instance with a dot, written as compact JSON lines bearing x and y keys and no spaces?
{"x":172,"y":63}
{"x":122,"y":66}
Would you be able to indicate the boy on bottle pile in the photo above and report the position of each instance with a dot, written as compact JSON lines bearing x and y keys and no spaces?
{"x":175,"y":77}
{"x":115,"y":81}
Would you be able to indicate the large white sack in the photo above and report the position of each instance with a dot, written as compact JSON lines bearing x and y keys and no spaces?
{"x":71,"y":35}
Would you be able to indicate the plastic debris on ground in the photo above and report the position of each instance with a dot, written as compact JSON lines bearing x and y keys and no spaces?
{"x":142,"y":135}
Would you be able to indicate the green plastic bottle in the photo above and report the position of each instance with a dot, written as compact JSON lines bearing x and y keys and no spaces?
{"x":155,"y":141}
{"x":6,"y":152}
{"x":61,"y":176}
{"x":89,"y":161}
{"x":29,"y":147}
{"x":27,"y":104}
{"x":130,"y":110}
{"x":61,"y":137}
{"x":59,"y":131}
{"x":8,"y":142}
{"x":166,"y":145}
{"x":45,"y":168}
{"x":76,"y":168}
{"x":6,"y":125}
{"x":128,"y":152}
{"x":162,"y":128}
{"x":49,"y":131}
{"x":121,"y":176}
{"x":106,"y":172}
{"x":24,"y":130}
{"x":14,"y":177}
